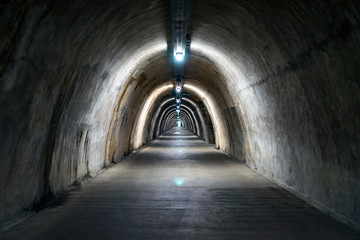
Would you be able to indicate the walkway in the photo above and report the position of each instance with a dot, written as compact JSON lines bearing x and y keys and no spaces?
{"x":180,"y":188}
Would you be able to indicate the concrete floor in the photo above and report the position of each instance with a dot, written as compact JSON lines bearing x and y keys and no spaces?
{"x":180,"y":188}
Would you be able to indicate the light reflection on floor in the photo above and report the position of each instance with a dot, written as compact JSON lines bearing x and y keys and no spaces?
{"x":179,"y":181}
{"x":198,"y":193}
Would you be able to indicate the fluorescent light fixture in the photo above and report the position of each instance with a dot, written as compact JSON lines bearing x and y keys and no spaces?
{"x":178,"y":89}
{"x":178,"y":100}
{"x":177,"y":110}
{"x":179,"y":56}
{"x":177,"y":106}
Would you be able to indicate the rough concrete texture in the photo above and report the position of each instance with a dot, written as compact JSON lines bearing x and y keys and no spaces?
{"x":280,"y":81}
{"x":180,"y":188}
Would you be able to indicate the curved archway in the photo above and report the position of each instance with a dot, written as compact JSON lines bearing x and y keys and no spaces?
{"x":75,"y":77}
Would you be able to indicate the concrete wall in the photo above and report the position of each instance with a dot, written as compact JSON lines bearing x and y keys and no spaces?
{"x":64,"y":66}
{"x":294,"y":67}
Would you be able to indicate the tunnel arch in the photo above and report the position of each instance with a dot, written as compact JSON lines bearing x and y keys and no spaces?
{"x":172,"y":113}
{"x":194,"y":119}
{"x":171,"y":119}
{"x":284,"y":76}
{"x":140,"y":123}
{"x":157,"y":117}
{"x":155,"y":71}
{"x":204,"y":118}
{"x":205,"y":126}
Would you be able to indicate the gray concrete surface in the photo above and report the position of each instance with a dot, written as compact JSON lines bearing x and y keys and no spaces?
{"x":179,"y":187}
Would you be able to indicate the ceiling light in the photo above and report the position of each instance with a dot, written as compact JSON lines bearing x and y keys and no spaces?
{"x":179,"y":56}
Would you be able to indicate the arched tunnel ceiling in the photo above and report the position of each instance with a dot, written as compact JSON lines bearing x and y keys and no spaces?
{"x":278,"y":86}
{"x":199,"y":72}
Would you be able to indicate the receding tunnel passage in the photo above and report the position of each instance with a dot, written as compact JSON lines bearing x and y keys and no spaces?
{"x":179,"y":187}
{"x":94,"y":96}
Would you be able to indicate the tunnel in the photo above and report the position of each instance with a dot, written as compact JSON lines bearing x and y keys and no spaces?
{"x":87,"y":86}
